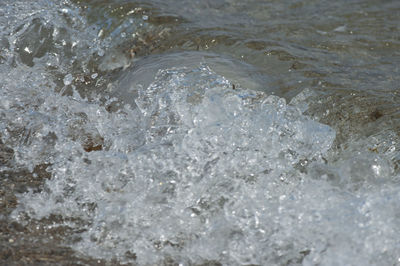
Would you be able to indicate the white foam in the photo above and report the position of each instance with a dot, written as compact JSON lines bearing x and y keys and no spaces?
{"x":178,"y":170}
{"x":192,"y":170}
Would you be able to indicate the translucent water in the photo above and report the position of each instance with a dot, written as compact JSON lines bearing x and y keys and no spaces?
{"x":156,"y":157}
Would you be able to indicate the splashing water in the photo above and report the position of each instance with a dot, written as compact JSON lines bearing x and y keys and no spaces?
{"x":196,"y":171}
{"x":175,"y":167}
{"x":191,"y":169}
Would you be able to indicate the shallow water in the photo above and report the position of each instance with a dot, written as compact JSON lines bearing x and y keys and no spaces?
{"x":200,"y":132}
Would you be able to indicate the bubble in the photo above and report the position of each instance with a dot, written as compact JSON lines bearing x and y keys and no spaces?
{"x":68,"y":79}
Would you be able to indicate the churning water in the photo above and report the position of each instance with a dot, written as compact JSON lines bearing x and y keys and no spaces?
{"x":200,"y":132}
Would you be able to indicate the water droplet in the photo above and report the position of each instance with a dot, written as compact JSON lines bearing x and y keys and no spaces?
{"x":29,"y":51}
{"x":68,"y":79}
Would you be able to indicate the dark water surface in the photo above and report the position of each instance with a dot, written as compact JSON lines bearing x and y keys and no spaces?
{"x":199,"y":132}
{"x":289,"y":45}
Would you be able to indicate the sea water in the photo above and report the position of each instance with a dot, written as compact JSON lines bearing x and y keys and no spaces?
{"x":213,"y":132}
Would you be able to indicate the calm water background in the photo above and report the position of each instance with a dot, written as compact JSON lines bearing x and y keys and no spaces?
{"x":289,"y":45}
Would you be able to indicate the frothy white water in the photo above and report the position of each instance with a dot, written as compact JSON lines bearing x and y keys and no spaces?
{"x":200,"y":172}
{"x":194,"y":172}
{"x":192,"y":169}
